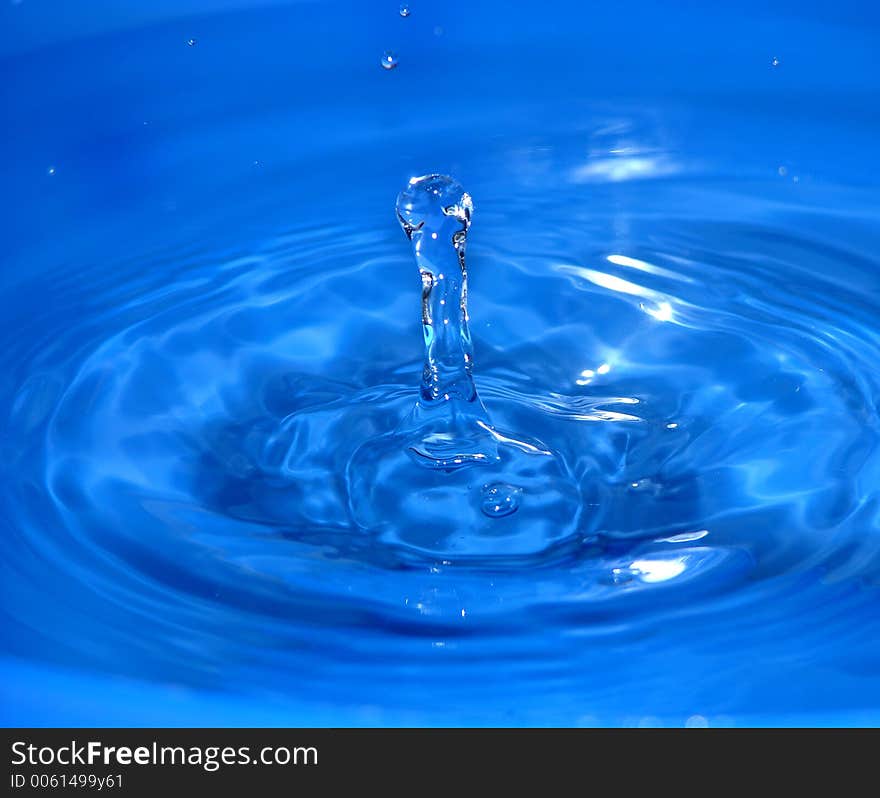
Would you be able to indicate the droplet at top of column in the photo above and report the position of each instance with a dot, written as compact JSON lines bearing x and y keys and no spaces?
{"x":434,"y":207}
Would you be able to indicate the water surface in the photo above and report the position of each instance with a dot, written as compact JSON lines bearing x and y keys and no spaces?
{"x":209,"y":309}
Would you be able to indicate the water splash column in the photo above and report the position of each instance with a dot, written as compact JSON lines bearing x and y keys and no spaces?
{"x":445,"y":482}
{"x":435,"y":213}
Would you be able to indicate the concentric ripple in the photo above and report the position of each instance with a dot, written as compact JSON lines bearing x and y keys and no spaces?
{"x":217,"y":430}
{"x":692,"y":334}
{"x":718,"y":412}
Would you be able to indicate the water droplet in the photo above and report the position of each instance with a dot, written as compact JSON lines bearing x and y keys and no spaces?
{"x":431,"y":203}
{"x":191,"y":42}
{"x":500,"y":499}
{"x":774,"y":62}
{"x":389,"y":60}
{"x":782,"y":171}
{"x":404,"y":10}
{"x":50,"y":171}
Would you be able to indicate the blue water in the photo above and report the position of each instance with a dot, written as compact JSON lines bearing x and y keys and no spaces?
{"x":212,"y":348}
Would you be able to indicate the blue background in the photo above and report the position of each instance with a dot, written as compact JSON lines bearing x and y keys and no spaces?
{"x":189,"y":229}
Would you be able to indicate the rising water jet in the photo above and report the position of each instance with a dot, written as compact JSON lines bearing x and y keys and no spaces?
{"x":446,"y":480}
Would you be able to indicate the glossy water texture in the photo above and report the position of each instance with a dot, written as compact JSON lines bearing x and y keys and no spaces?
{"x":227,"y":499}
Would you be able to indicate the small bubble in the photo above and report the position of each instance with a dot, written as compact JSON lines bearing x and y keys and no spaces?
{"x":389,"y":60}
{"x":404,"y":10}
{"x":774,"y":62}
{"x":50,"y":171}
{"x":500,"y":499}
{"x":438,"y":31}
{"x":191,"y":42}
{"x":697,"y":722}
{"x":782,"y":171}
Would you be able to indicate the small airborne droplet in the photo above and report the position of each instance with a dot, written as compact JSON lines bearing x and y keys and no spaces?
{"x":389,"y":60}
{"x":500,"y":499}
{"x":774,"y":62}
{"x":191,"y":42}
{"x":404,"y":10}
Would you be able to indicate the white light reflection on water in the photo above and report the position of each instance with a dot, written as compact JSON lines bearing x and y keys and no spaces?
{"x":651,"y":571}
{"x":660,"y":307}
{"x":621,"y":167}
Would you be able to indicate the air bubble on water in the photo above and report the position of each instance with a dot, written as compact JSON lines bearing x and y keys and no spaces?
{"x":389,"y":60}
{"x":191,"y":42}
{"x":774,"y":62}
{"x":500,"y":499}
{"x":404,"y":10}
{"x":50,"y":171}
